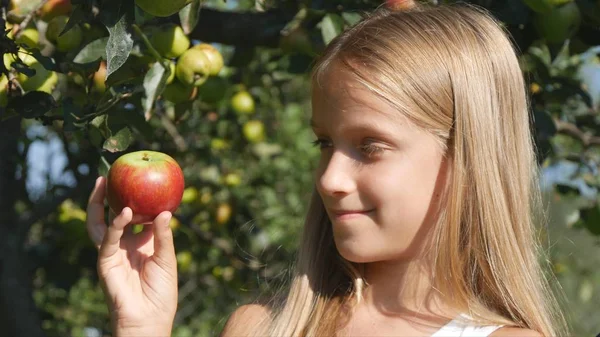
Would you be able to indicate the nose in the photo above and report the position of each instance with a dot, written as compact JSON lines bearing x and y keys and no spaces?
{"x":335,"y":175}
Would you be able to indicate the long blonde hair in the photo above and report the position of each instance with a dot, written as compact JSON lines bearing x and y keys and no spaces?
{"x":453,"y":71}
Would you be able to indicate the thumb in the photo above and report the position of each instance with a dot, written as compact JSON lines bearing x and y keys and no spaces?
{"x":164,"y":249}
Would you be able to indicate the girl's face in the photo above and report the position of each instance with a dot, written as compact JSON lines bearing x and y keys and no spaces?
{"x":385,"y":168}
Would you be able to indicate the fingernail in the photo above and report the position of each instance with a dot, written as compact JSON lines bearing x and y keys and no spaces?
{"x":98,"y":180}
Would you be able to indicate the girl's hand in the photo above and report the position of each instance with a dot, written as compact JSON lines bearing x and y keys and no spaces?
{"x":138,"y":272}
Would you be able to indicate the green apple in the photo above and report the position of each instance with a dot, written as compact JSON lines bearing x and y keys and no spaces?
{"x":172,"y":68}
{"x":539,"y":6}
{"x":174,"y":224}
{"x":92,"y":32}
{"x":558,"y":24}
{"x":71,"y":218}
{"x":50,"y":83}
{"x":232,"y":179}
{"x":193,"y":67}
{"x":3,"y":90}
{"x":218,"y":144}
{"x":184,"y":260}
{"x":223,"y":213}
{"x":26,"y":57}
{"x":296,"y":41}
{"x":169,"y":40}
{"x":29,"y":37}
{"x":214,"y":57}
{"x":69,"y":40}
{"x":243,"y":103}
{"x":254,"y":131}
{"x":190,"y":195}
{"x":178,"y":92}
{"x":162,"y":8}
{"x":42,"y":79}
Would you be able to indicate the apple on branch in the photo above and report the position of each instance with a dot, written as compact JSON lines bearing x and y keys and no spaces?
{"x":148,"y":182}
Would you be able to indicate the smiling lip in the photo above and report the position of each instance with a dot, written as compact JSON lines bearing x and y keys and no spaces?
{"x":341,"y":215}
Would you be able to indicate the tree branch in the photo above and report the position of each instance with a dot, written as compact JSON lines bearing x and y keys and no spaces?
{"x":18,"y":313}
{"x":570,"y":129}
{"x":241,"y":29}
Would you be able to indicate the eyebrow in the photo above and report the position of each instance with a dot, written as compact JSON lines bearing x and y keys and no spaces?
{"x":360,"y":127}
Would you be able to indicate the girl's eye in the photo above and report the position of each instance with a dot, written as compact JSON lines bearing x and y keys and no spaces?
{"x":318,"y":142}
{"x":372,"y":150}
{"x":369,"y":149}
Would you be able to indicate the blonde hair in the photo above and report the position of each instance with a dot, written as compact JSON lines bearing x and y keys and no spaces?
{"x":452,"y":71}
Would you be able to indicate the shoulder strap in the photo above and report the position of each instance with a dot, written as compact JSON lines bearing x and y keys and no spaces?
{"x":457,"y":328}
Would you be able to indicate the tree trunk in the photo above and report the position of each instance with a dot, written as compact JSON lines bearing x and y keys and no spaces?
{"x":18,"y":312}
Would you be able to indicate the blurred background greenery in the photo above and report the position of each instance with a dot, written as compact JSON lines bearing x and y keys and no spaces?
{"x":243,"y":141}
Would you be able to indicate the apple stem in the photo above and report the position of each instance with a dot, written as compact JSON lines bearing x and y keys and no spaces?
{"x":145,"y":157}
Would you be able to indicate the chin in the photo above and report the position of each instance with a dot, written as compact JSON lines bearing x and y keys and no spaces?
{"x":366,"y":254}
{"x":355,"y":254}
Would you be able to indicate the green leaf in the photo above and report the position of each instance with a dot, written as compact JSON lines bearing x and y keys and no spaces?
{"x":71,"y":115}
{"x":78,"y":15}
{"x":134,"y":119}
{"x":117,"y":17}
{"x":111,"y":97}
{"x":154,"y":84}
{"x":4,"y":115}
{"x":591,"y":219}
{"x":351,"y":18}
{"x":119,"y":141}
{"x":45,"y":61}
{"x":189,"y":15}
{"x":544,"y":124}
{"x":23,"y":68}
{"x":331,"y":26}
{"x":81,"y":68}
{"x":567,"y":189}
{"x":101,"y":124}
{"x":33,"y":104}
{"x":92,"y":51}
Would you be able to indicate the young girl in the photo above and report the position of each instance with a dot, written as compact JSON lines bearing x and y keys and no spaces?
{"x":426,"y":200}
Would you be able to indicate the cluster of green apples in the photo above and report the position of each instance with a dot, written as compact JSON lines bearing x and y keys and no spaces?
{"x":55,"y":14}
{"x":189,"y":66}
{"x":191,"y":71}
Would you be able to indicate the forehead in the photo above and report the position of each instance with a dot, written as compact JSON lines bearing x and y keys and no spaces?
{"x":339,"y":97}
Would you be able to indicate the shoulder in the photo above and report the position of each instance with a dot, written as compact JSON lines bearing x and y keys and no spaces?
{"x":515,"y":332}
{"x":244,"y":318}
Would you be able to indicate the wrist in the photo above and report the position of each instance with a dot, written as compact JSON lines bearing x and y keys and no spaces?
{"x":142,"y":330}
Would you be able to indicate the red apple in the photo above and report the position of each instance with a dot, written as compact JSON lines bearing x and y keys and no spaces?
{"x":148,"y":182}
{"x":54,"y":8}
{"x":398,"y":5}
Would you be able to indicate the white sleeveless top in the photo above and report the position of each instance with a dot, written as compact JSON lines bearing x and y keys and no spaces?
{"x":458,"y":328}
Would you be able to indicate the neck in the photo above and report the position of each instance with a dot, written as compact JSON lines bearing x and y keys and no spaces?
{"x":403,"y":288}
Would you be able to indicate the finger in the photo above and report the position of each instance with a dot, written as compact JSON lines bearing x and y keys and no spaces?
{"x":95,"y":224}
{"x":112,"y":239}
{"x":164,"y":249}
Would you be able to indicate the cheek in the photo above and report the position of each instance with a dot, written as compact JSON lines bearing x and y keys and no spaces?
{"x":403,"y":200}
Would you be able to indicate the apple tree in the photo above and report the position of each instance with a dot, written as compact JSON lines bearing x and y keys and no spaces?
{"x":222,"y":86}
